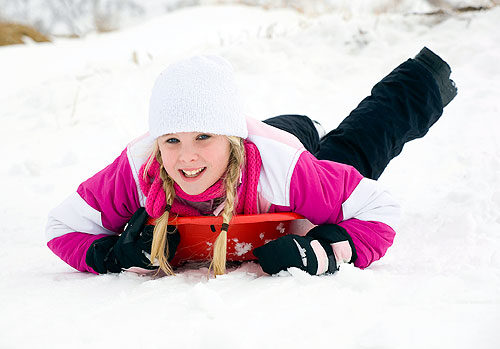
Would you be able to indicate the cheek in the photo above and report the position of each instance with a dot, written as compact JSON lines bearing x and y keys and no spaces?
{"x":167,"y":159}
{"x":222,"y":160}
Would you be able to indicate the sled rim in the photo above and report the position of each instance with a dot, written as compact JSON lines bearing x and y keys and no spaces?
{"x":237,"y":219}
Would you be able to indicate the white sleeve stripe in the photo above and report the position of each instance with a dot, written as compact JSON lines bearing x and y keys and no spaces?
{"x":278,"y":165}
{"x":137,"y":153}
{"x":289,"y":175}
{"x":371,"y":202}
{"x":135,"y":173}
{"x":74,"y":215}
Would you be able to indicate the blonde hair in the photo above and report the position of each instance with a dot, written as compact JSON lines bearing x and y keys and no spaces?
{"x":159,"y":247}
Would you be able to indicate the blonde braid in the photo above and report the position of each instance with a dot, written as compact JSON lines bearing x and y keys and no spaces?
{"x":159,"y":246}
{"x":236,"y":160}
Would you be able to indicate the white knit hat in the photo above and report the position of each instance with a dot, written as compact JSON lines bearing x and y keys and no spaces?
{"x":198,"y":94}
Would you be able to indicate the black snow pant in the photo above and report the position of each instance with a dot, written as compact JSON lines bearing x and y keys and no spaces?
{"x":401,"y":107}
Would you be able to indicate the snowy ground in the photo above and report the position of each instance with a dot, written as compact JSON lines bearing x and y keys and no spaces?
{"x":68,"y":108}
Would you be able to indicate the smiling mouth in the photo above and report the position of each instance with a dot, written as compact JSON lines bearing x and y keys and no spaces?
{"x":192,"y":174}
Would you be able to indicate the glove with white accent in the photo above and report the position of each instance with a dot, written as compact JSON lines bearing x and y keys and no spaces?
{"x":114,"y":253}
{"x":319,"y":252}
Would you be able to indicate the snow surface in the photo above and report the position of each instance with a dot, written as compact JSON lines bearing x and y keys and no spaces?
{"x":68,"y":108}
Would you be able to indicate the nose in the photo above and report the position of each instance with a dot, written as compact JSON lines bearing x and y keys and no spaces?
{"x":188,"y":153}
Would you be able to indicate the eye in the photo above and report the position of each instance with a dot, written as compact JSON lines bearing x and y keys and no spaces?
{"x":204,"y":136}
{"x":172,"y":140}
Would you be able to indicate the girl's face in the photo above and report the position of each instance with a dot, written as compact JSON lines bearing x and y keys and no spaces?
{"x":194,"y":160}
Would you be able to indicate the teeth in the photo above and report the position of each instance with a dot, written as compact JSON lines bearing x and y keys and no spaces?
{"x":192,"y":173}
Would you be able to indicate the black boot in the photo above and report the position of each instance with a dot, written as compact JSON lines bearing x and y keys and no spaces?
{"x":441,"y":71}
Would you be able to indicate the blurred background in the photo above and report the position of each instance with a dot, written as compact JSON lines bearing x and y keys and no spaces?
{"x":41,"y":20}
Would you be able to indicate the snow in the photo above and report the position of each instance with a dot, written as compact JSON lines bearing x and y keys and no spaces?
{"x":242,"y":247}
{"x":80,"y":17}
{"x":68,"y":108}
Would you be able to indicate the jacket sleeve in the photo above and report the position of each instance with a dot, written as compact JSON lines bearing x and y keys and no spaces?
{"x":326,"y":192}
{"x":101,"y":206}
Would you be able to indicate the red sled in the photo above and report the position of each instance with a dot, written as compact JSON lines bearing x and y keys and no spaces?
{"x":245,"y":233}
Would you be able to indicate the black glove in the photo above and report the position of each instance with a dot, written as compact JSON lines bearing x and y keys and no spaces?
{"x":298,"y":251}
{"x":441,"y":71}
{"x":113,"y":253}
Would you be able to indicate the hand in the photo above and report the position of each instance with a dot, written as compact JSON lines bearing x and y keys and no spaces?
{"x":313,"y":253}
{"x":145,"y":240}
{"x":303,"y":252}
{"x":113,"y":253}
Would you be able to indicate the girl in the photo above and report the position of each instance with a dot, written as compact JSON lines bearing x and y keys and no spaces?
{"x":206,"y":158}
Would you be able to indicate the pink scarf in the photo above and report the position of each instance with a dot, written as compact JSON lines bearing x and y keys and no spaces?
{"x":247,"y":191}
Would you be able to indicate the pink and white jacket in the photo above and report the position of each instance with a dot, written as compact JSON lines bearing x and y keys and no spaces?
{"x":291,"y":180}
